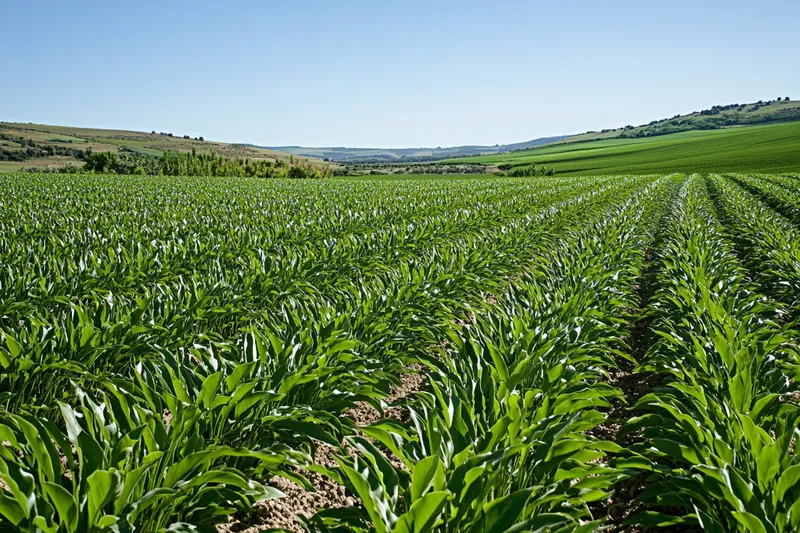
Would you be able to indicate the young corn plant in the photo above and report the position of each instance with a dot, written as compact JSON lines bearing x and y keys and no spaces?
{"x":770,"y":242}
{"x":718,"y":436}
{"x":118,"y":467}
{"x":455,"y":464}
{"x":500,"y":441}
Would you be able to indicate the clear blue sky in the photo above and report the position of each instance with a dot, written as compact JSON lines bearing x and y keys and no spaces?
{"x":388,"y":74}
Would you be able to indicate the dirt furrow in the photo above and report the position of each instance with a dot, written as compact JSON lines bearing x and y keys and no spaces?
{"x":284,"y":513}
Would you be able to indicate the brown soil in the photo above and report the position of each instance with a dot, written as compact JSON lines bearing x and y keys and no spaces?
{"x":624,"y":503}
{"x":364,"y":414}
{"x":285,"y":512}
{"x":633,"y":386}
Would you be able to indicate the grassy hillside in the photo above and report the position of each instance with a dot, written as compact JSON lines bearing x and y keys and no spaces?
{"x":401,"y":155}
{"x":761,"y":136}
{"x":764,"y":112}
{"x":771,"y":148}
{"x":100,"y":140}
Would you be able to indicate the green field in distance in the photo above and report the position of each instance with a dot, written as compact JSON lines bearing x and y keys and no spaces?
{"x":771,"y":148}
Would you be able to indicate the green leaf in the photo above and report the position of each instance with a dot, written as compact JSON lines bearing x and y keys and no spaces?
{"x":222,"y":477}
{"x":22,"y":485}
{"x":499,"y":362}
{"x":751,"y":522}
{"x":107,"y":521}
{"x":636,"y":462}
{"x":309,"y":429}
{"x":71,"y":421}
{"x":656,"y":519}
{"x":132,"y":478}
{"x":13,"y":346}
{"x":788,"y":480}
{"x":423,"y":513}
{"x":238,"y":373}
{"x":422,"y":476}
{"x":65,"y":505}
{"x":10,"y":509}
{"x":209,"y":389}
{"x":182,"y":527}
{"x":768,"y":464}
{"x":675,"y":449}
{"x":195,"y":460}
{"x":501,"y":514}
{"x":103,"y":485}
{"x":372,"y":502}
{"x":47,"y":458}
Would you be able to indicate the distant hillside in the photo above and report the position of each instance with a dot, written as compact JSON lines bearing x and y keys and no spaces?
{"x":25,"y":145}
{"x":762,"y":148}
{"x":401,"y":155}
{"x":720,"y":116}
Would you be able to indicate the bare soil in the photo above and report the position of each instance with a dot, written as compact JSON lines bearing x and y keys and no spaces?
{"x":623,"y":502}
{"x":285,"y":512}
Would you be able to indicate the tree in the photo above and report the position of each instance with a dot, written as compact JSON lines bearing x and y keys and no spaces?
{"x":101,"y":161}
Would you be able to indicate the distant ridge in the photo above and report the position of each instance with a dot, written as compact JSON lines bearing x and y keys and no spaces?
{"x":782,"y":109}
{"x":400,"y":155}
{"x":25,"y":145}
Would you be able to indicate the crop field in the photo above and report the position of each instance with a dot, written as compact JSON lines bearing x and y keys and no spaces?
{"x":560,"y":354}
{"x":770,"y":148}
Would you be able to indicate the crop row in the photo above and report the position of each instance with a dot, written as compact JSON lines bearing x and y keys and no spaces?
{"x":171,"y":346}
{"x":719,"y":435}
{"x":186,"y":343}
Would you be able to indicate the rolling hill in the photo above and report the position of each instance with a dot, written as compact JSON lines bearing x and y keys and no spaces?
{"x":766,"y":148}
{"x":402,"y":155}
{"x":757,"y":136}
{"x":54,"y":144}
{"x":720,"y":116}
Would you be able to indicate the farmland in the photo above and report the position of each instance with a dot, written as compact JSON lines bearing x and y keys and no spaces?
{"x":719,"y":116}
{"x":769,"y":148}
{"x":476,"y":354}
{"x":118,"y":141}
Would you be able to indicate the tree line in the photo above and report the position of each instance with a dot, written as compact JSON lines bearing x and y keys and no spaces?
{"x":30,"y":150}
{"x":525,"y":171}
{"x":415,"y":168}
{"x":199,"y":164}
